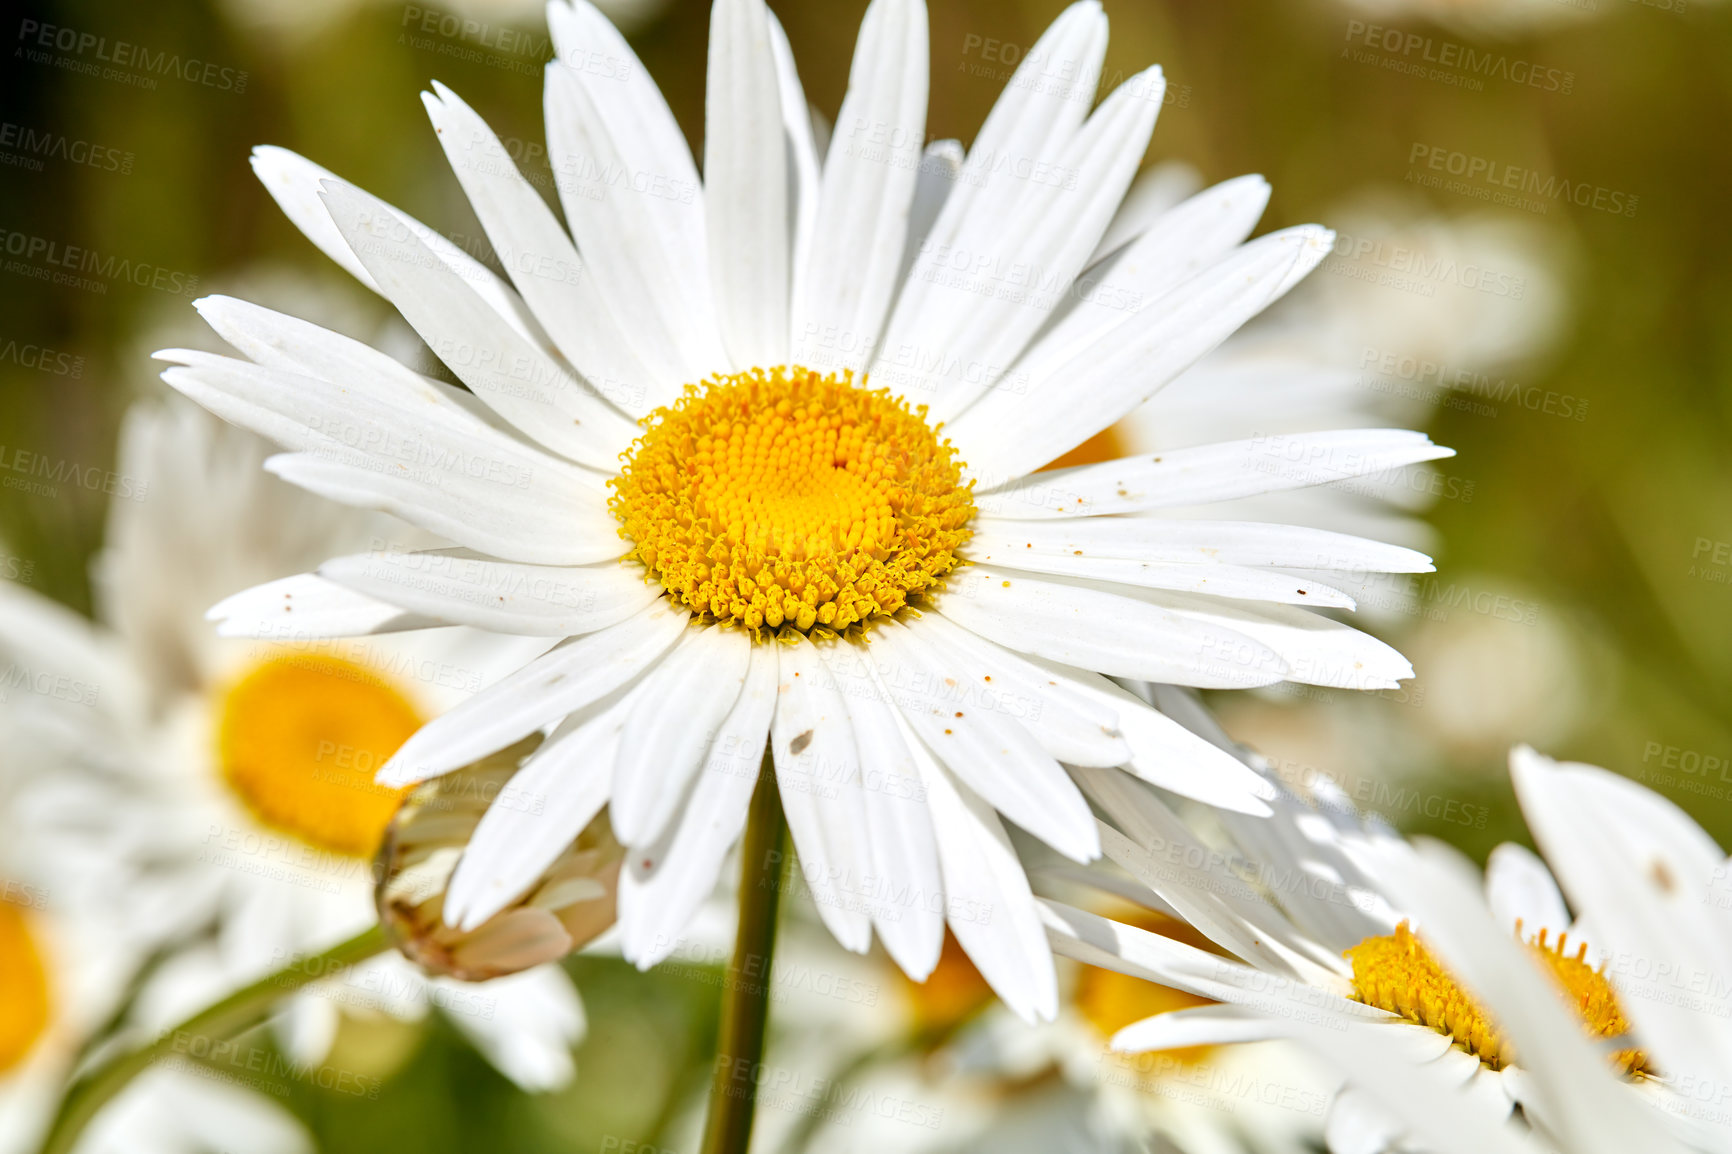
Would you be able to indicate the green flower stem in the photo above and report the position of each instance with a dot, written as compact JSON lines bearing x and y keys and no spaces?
{"x":746,"y":994}
{"x":240,"y":1010}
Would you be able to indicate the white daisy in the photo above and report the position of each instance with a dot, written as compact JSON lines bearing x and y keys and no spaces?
{"x":1317,"y":913}
{"x":708,"y":417}
{"x":59,"y":972}
{"x":216,"y":794}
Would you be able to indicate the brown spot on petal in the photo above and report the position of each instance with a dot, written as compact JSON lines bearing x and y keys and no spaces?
{"x":799,"y":744}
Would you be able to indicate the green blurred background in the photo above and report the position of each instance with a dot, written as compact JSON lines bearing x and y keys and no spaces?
{"x":1584,"y":594}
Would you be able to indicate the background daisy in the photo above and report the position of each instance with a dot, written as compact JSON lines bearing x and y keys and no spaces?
{"x":210,"y":802}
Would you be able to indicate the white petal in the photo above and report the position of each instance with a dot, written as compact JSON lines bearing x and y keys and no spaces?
{"x":1030,"y":124}
{"x":1153,"y":194}
{"x":569,"y":677}
{"x":1316,"y":649}
{"x":631,"y":194}
{"x":746,"y":185}
{"x":1521,"y":893}
{"x":1196,"y":881}
{"x":661,"y":888}
{"x":673,"y":716}
{"x":1198,"y":1026}
{"x":434,"y":465}
{"x":1072,"y":727}
{"x":1216,"y":580}
{"x":541,"y":520}
{"x":502,"y":596}
{"x":293,"y":182}
{"x":988,"y":904}
{"x":1117,"y":635}
{"x":803,"y":166}
{"x":940,"y":165}
{"x":818,"y":765}
{"x":909,"y":913}
{"x":1434,"y":1111}
{"x":280,"y":341}
{"x":1166,"y":753}
{"x":865,"y":191}
{"x":1138,"y":953}
{"x":1055,"y":227}
{"x":308,"y":606}
{"x":297,"y":185}
{"x":515,"y":376}
{"x":536,"y":816}
{"x":1008,"y":434}
{"x":1358,"y":1125}
{"x":1137,"y":538}
{"x":538,"y":255}
{"x":989,"y":752}
{"x":1207,"y":473}
{"x":1178,"y":245}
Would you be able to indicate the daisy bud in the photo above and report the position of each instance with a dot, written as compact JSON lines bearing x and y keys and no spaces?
{"x":571,"y":903}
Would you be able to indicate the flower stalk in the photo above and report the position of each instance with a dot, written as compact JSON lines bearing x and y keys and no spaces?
{"x":236,"y":1013}
{"x":746,"y":993}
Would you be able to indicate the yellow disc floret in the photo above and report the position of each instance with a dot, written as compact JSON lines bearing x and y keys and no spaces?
{"x":299,"y":738}
{"x":1396,"y":972}
{"x":789,"y":499}
{"x":24,"y":1007}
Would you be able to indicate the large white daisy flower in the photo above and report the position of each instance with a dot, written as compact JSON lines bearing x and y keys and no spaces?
{"x":1337,"y":934}
{"x":789,"y":403}
{"x":214,"y":796}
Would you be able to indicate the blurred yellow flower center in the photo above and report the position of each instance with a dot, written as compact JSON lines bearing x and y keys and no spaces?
{"x":950,"y":994}
{"x":1397,"y":973}
{"x":24,"y":1005}
{"x":785,"y":498}
{"x":1110,"y":1001}
{"x":299,"y":739}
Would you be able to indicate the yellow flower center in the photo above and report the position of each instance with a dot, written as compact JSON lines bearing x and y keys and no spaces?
{"x":299,"y":738}
{"x":785,"y":498}
{"x":24,"y":1007}
{"x":1396,"y":972}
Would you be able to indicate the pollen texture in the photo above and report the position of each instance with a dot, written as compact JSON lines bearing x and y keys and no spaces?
{"x":788,"y":499}
{"x":1396,"y":972}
